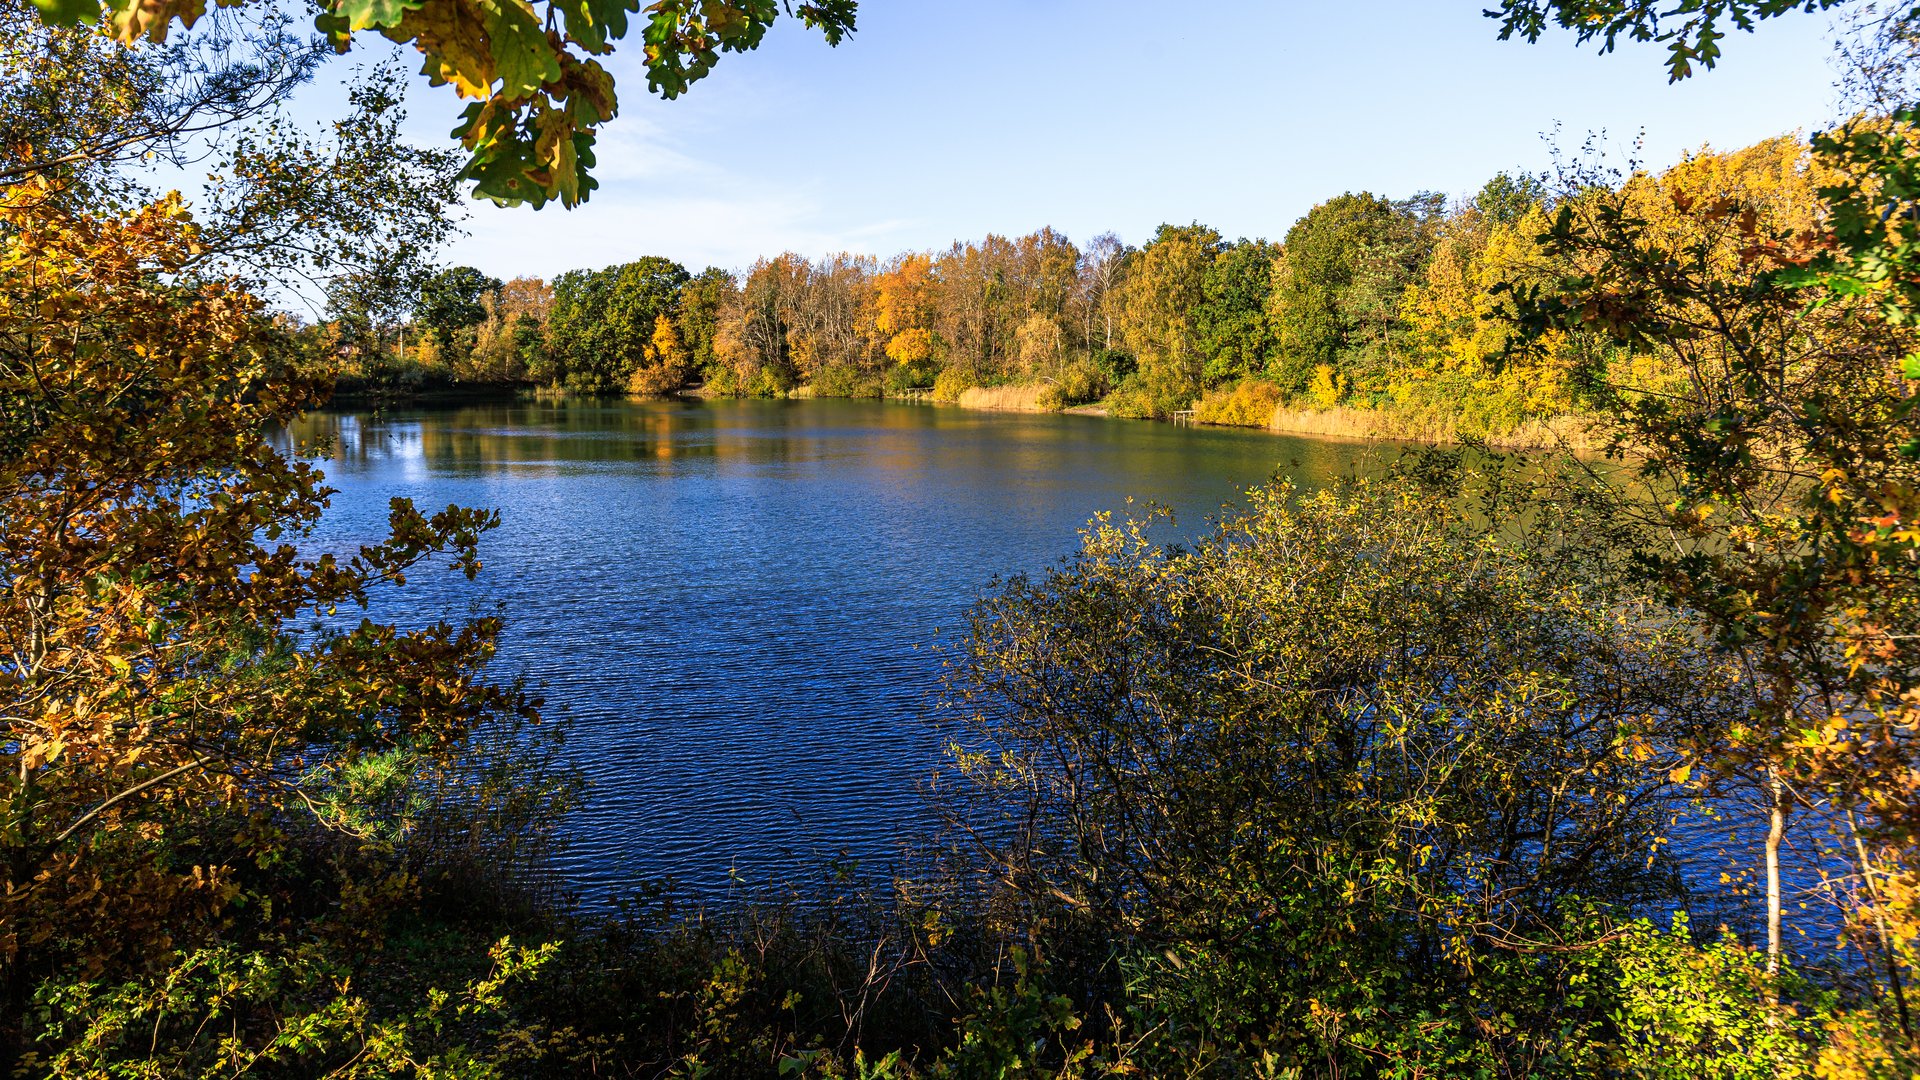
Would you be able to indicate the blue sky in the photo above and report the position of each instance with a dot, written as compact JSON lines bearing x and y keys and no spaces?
{"x":941,"y":120}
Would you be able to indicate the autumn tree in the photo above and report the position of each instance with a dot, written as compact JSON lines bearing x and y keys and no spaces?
{"x":298,"y":213}
{"x":752,"y":343}
{"x":1042,"y":345}
{"x":82,"y":112}
{"x":510,"y":341}
{"x":158,"y":662}
{"x":1164,"y":291}
{"x":1506,"y":198}
{"x":1463,"y":356}
{"x":1044,"y":268}
{"x":703,"y":299}
{"x":349,"y":215}
{"x":1767,"y":416}
{"x":1102,"y":267}
{"x":831,"y":315}
{"x":602,"y":321}
{"x":976,"y":312}
{"x":904,"y":295}
{"x":664,"y":364}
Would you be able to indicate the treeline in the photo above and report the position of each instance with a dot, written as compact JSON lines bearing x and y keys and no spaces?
{"x":1389,"y":308}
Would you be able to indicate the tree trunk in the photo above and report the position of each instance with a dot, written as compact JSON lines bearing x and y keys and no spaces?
{"x":1887,"y":954}
{"x":1776,"y":833}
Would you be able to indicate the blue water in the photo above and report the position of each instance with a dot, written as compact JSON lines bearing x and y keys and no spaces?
{"x":734,"y":603}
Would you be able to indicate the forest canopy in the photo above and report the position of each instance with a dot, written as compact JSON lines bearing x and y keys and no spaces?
{"x":1389,"y":312}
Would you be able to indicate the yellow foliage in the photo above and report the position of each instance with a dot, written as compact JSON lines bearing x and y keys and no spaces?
{"x":1042,"y":344}
{"x":910,"y":346}
{"x":1777,"y":177}
{"x":1859,"y":1047}
{"x":450,"y":37}
{"x":425,"y":351}
{"x":1463,"y":350}
{"x":904,"y":296}
{"x":1248,"y":403}
{"x":1451,"y":312}
{"x":664,"y":362}
{"x":1326,"y":387}
{"x":951,"y":383}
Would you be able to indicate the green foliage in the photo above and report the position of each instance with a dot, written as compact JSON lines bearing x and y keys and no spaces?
{"x":454,"y":300}
{"x":1078,"y":383}
{"x":1690,"y":29}
{"x":1019,"y":1030}
{"x":1164,"y":292}
{"x":845,"y":381}
{"x":1271,"y":769}
{"x":222,"y":1011}
{"x":1336,"y":291}
{"x":703,"y":298}
{"x":602,"y":321}
{"x":1131,"y":400}
{"x":538,"y":92}
{"x":1506,"y":199}
{"x":1680,"y":1010}
{"x":1113,"y":364}
{"x":1232,"y":321}
{"x":911,"y":375}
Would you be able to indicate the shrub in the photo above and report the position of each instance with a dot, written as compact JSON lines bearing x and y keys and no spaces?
{"x":1681,"y":1009}
{"x":910,"y":376}
{"x":1078,"y":383}
{"x":951,"y":383}
{"x":1248,"y":403}
{"x":723,"y":381}
{"x":1286,"y":769}
{"x":765,"y":383}
{"x":1326,"y":388}
{"x":1114,"y":365}
{"x":845,"y":381}
{"x":1131,"y":401}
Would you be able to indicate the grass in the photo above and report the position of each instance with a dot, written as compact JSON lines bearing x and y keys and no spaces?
{"x":1430,"y":425}
{"x":1014,"y":398}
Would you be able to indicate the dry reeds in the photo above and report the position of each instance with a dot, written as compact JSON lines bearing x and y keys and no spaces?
{"x":1432,"y":425}
{"x":1021,"y":398}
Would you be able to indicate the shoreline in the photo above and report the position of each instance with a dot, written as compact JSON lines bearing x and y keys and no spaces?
{"x":1425,"y":427}
{"x":1343,"y":423}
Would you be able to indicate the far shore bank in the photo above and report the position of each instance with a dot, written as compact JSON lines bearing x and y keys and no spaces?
{"x":385,"y":397}
{"x":1406,"y":425}
{"x":1428,"y":426}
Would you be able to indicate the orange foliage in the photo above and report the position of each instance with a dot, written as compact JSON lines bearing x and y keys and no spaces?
{"x":150,"y":574}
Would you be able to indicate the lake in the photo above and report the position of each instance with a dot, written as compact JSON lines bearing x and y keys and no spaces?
{"x":734,"y":601}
